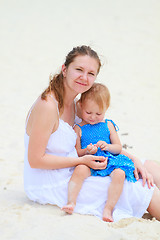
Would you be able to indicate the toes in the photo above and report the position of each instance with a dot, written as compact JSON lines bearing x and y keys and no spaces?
{"x":68,"y":209}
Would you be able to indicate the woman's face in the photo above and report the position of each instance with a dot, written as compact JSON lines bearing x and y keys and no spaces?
{"x":81,"y":73}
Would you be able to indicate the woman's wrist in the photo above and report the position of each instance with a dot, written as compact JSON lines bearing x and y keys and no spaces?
{"x":82,"y":160}
{"x":135,"y":160}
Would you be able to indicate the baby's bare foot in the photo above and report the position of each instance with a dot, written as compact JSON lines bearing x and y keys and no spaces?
{"x":107,"y":215}
{"x":69,"y":208}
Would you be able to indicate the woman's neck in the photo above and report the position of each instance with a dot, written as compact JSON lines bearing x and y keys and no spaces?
{"x":69,"y":96}
{"x":68,"y":114}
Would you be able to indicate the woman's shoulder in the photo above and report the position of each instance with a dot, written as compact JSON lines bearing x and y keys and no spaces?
{"x":42,"y":113}
{"x":46,"y":105}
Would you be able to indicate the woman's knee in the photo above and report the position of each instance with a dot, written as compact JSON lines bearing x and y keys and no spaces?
{"x":154,"y":206}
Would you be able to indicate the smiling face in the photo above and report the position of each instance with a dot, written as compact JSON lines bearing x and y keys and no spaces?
{"x":81,"y":73}
{"x":91,"y":112}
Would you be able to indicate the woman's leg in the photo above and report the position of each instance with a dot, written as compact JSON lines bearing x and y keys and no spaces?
{"x":114,"y":192}
{"x":154,"y":206}
{"x":80,"y":173}
{"x":153,"y":168}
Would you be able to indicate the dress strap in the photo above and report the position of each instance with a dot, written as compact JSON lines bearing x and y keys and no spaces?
{"x":115,"y":125}
{"x":54,"y":101}
{"x":79,"y":126}
{"x":29,"y":113}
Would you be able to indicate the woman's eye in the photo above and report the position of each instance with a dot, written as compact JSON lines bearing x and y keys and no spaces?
{"x":78,"y":69}
{"x":92,"y":74}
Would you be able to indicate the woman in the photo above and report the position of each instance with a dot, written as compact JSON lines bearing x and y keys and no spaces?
{"x":50,"y":155}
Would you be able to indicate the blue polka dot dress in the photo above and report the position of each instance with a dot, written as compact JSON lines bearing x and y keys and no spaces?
{"x":100,"y":132}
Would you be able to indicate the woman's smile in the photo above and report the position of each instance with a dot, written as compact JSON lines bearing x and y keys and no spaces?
{"x":81,"y":83}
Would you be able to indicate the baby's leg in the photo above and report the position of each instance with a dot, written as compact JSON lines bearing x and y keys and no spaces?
{"x":80,"y":173}
{"x":114,"y":192}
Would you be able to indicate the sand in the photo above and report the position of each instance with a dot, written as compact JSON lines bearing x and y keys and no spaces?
{"x":35,"y":37}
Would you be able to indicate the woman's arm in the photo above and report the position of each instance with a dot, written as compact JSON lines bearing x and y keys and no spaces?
{"x":115,"y":147}
{"x":44,"y":123}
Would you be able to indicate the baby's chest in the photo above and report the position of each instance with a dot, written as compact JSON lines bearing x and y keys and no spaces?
{"x":94,"y":135}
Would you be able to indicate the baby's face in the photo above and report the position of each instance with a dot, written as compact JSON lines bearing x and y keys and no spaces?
{"x":91,"y":113}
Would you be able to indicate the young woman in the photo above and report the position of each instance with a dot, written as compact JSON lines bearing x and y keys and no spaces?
{"x":50,"y":154}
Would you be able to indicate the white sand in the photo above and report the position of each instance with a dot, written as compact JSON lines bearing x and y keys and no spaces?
{"x":35,"y":36}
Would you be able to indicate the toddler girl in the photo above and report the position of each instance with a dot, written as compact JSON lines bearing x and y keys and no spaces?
{"x":98,"y":136}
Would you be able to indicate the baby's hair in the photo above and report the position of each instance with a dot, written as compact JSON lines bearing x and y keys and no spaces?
{"x":98,"y":93}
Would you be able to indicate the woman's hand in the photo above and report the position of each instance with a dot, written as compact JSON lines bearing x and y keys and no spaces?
{"x":141,"y":172}
{"x":95,"y":162}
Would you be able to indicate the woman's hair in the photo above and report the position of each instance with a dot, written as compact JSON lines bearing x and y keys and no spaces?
{"x":56,"y":82}
{"x":99,"y":93}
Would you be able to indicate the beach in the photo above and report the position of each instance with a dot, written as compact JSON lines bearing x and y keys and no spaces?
{"x":35,"y":38}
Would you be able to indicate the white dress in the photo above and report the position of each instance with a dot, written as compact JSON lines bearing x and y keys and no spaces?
{"x":51,"y":186}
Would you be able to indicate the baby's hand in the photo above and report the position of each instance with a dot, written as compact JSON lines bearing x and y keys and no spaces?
{"x":92,"y":149}
{"x":103,"y":145}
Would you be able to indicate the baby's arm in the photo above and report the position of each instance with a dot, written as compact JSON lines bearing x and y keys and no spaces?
{"x":80,"y":151}
{"x":115,"y":147}
{"x":90,"y":149}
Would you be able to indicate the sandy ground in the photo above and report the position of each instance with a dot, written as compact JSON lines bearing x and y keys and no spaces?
{"x":35,"y":36}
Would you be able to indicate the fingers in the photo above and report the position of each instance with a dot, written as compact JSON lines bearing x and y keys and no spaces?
{"x":103,"y":148}
{"x":144,"y":179}
{"x":89,"y":147}
{"x":136,"y":174}
{"x":101,"y":165}
{"x":99,"y":158}
{"x":92,"y":149}
{"x":142,"y":172}
{"x":103,"y":145}
{"x":150,"y":180}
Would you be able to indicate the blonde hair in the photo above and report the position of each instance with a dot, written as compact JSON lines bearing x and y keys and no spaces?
{"x":56,"y":82}
{"x":98,"y":93}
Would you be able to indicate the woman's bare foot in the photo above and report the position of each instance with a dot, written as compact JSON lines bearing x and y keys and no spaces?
{"x":69,"y":208}
{"x":107,"y":215}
